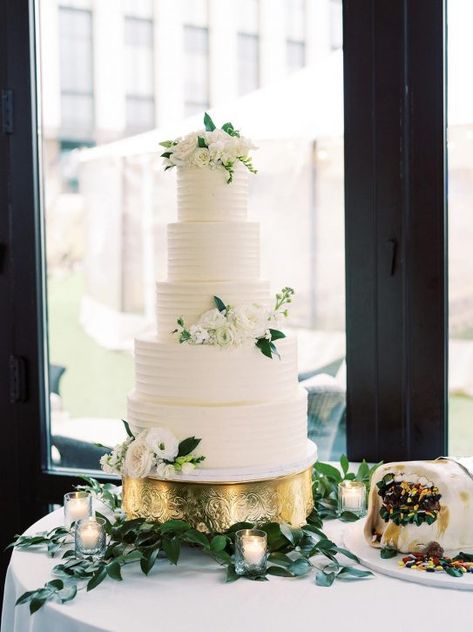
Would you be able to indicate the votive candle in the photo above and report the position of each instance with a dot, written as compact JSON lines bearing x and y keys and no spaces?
{"x":77,"y":505}
{"x":251,"y":551}
{"x":90,"y":537}
{"x":352,"y":497}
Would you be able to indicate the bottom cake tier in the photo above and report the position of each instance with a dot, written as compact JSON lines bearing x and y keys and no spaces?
{"x":214,"y":507}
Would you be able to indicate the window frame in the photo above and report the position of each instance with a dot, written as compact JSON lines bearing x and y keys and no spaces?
{"x":396,"y":351}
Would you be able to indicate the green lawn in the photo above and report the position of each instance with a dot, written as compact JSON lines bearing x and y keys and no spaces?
{"x":96,"y":380}
{"x":460,"y":425}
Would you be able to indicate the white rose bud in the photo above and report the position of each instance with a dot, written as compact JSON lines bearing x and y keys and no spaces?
{"x":201,"y":157}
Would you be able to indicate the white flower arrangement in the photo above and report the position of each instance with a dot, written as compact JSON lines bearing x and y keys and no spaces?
{"x":211,"y":147}
{"x":228,"y":326}
{"x":152,"y":452}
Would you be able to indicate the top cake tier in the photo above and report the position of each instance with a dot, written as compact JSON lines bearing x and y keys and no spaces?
{"x":203,"y":195}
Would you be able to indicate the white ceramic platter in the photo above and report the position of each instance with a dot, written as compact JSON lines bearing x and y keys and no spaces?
{"x":370,"y":557}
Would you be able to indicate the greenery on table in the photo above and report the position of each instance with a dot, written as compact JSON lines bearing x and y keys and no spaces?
{"x":325,"y":486}
{"x":293,"y":552}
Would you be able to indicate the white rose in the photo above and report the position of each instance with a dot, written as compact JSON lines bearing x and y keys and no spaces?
{"x":185,"y":147}
{"x":200,"y":157}
{"x":187,"y":468}
{"x":162,"y":442}
{"x":216,"y":149}
{"x":199,"y":335}
{"x":139,"y":460}
{"x":212,"y":319}
{"x":225,"y":336}
{"x":251,"y":319}
{"x":164,"y":470}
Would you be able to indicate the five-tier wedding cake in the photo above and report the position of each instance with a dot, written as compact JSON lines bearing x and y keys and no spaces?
{"x":216,"y":397}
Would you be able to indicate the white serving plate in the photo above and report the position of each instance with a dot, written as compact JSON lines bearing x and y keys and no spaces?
{"x":355,"y":542}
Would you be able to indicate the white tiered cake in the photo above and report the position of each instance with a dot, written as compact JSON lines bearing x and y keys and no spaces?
{"x":248,"y":410}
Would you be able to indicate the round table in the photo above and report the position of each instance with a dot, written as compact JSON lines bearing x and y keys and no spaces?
{"x":193,"y":597}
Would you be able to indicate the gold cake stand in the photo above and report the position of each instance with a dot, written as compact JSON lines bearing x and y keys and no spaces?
{"x":215,"y":507}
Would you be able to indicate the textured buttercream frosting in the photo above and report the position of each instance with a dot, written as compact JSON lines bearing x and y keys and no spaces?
{"x":213,"y":251}
{"x":203,"y":374}
{"x":203,"y":195}
{"x":190,"y":299}
{"x":263,"y":434}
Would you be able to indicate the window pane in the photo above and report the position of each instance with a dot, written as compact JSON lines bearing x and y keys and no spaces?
{"x":248,"y":63}
{"x":295,"y":55}
{"x":108,"y":67}
{"x":460,"y":226}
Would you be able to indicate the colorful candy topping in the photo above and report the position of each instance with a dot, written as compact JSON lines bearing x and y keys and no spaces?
{"x":433,"y":560}
{"x":408,"y":502}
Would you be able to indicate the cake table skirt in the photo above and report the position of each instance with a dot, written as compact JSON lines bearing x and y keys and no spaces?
{"x":215,"y":507}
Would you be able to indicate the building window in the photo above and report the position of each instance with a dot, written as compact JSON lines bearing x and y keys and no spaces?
{"x":295,"y":34}
{"x":139,"y":74}
{"x":336,"y":29}
{"x":76,"y":72}
{"x":248,"y":44}
{"x":196,"y":83}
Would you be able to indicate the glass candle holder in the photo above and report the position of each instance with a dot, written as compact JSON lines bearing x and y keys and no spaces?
{"x":352,"y":497}
{"x":90,"y":538}
{"x":251,"y":552}
{"x":77,"y":505}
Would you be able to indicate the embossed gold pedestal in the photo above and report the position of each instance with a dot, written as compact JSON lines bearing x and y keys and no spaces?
{"x":215,"y":507}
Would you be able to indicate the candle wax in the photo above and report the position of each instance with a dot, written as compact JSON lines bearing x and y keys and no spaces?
{"x":254,"y":550}
{"x":90,"y":536}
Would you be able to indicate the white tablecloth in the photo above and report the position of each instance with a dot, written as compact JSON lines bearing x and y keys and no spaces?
{"x":193,"y":597}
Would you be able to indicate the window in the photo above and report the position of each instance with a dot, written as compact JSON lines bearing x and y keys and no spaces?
{"x":76,"y":72}
{"x":196,"y":51}
{"x":139,"y":74}
{"x":460,"y":223}
{"x":295,"y":34}
{"x":336,"y":31}
{"x":248,"y":43}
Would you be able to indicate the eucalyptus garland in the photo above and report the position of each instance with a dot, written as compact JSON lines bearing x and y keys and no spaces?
{"x":293,"y":552}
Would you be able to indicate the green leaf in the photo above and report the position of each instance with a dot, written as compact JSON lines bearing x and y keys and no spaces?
{"x":230,"y":130}
{"x":166,"y":154}
{"x":328,"y":470}
{"x":348,"y":554}
{"x":187,"y":446}
{"x":128,"y":430}
{"x":67,"y":593}
{"x":279,"y":571}
{"x":196,"y":537}
{"x":387,"y":553}
{"x":264,"y":345}
{"x":172,"y":549}
{"x":276,"y":540}
{"x":36,"y":603}
{"x":239,"y":526}
{"x":97,"y":578}
{"x":218,"y":543}
{"x":209,"y":124}
{"x":363,"y":471}
{"x":219,"y":304}
{"x":25,"y":597}
{"x":174,"y":526}
{"x":201,"y":142}
{"x":344,"y":463}
{"x":167,"y":143}
{"x":147,"y":562}
{"x":281,"y":559}
{"x":293,"y":535}
{"x":350,"y":571}
{"x":231,"y":575}
{"x":114,"y":571}
{"x":326,"y":545}
{"x":348,"y":516}
{"x":55,"y":584}
{"x":300,"y":567}
{"x":324,"y":579}
{"x":276,"y":334}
